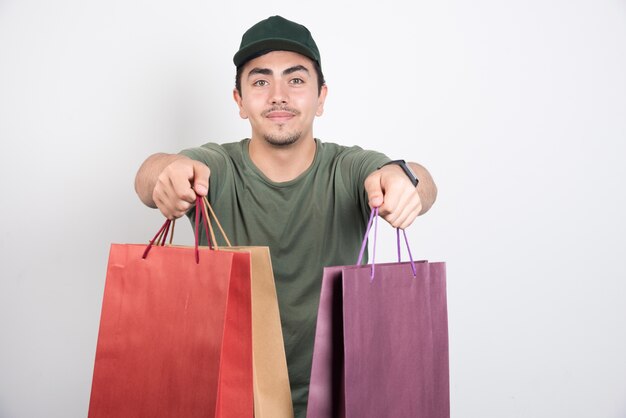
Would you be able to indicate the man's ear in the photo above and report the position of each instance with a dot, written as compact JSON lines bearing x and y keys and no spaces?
{"x":238,"y":100}
{"x":320,"y":100}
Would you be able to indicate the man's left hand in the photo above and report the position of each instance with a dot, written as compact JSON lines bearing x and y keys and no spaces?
{"x":398,"y":201}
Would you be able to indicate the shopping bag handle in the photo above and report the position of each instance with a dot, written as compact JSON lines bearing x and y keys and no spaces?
{"x":161,"y":236}
{"x":202,"y":204}
{"x":374,"y":220}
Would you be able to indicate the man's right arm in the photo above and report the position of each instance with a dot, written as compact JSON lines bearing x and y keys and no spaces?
{"x":171,"y":183}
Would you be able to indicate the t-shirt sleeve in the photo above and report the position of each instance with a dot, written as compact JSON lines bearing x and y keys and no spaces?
{"x":356,"y":165}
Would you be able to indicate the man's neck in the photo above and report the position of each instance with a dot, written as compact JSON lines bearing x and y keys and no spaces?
{"x":282,"y":163}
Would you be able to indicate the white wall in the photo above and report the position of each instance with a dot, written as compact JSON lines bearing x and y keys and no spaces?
{"x":517,"y":108}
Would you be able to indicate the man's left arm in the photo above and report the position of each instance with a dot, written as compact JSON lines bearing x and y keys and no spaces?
{"x":398,"y":201}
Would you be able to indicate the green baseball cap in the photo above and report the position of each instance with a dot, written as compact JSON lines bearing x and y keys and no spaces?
{"x":276,"y":34}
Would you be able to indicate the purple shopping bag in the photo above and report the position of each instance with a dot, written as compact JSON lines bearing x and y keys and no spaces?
{"x":381,"y":342}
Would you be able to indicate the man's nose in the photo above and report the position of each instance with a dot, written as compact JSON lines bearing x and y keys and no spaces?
{"x":279,"y":94}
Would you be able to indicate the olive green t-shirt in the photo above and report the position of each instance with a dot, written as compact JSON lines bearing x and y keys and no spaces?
{"x":315,"y":220}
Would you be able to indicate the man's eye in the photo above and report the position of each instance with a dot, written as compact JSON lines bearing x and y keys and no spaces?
{"x":260,"y":83}
{"x":297,"y":81}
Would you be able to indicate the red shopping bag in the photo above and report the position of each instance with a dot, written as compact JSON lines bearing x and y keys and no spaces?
{"x":381,"y":343}
{"x":175,"y":335}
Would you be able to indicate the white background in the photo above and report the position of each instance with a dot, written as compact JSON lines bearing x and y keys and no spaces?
{"x":518,"y":109}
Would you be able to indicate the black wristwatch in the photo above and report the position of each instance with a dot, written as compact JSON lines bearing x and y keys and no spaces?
{"x":407,"y":170}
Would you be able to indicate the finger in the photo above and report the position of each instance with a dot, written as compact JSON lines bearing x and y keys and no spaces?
{"x":201,"y":174}
{"x":409,"y":220}
{"x":395,"y":198}
{"x":402,"y":205}
{"x":172,"y":209}
{"x":411,"y":211}
{"x":374,"y":190}
{"x":181,"y":187}
{"x":168,"y":200}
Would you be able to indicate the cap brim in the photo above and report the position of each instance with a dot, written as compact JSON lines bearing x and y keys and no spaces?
{"x":274,"y":44}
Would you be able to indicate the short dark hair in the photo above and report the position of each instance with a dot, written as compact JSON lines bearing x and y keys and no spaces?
{"x":316,"y":66}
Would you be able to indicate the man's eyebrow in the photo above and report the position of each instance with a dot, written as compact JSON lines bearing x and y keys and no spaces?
{"x":295,"y":68}
{"x":267,"y":71}
{"x":257,"y":70}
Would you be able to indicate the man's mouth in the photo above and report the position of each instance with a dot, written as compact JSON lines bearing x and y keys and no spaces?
{"x":280,"y":115}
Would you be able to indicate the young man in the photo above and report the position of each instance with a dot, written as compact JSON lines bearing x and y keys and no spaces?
{"x":307,"y":200}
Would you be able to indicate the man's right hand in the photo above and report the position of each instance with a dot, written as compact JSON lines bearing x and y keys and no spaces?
{"x":171,"y":183}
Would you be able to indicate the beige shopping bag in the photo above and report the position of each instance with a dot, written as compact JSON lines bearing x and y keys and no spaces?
{"x":272,"y":394}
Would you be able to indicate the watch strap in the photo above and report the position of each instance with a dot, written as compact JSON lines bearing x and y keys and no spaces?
{"x":407,"y":170}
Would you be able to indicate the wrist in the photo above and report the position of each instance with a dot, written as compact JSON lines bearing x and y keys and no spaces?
{"x":402,"y":165}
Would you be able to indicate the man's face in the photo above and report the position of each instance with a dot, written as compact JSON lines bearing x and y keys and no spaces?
{"x":279,"y":95}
